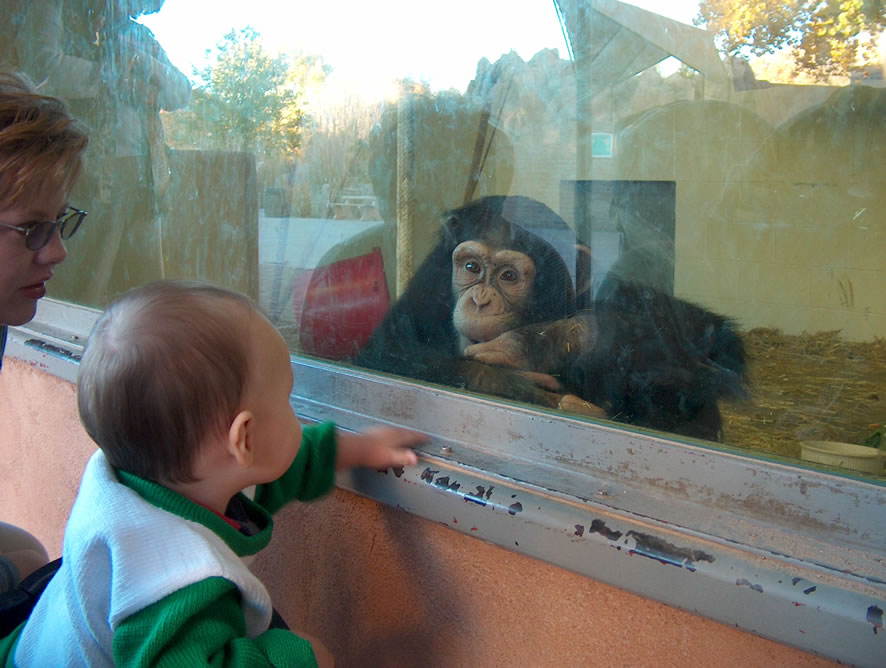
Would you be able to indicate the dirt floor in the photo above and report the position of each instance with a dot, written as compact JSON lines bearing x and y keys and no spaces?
{"x":807,"y":387}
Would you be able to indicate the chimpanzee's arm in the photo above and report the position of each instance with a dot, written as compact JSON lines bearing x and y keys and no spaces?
{"x":546,"y":347}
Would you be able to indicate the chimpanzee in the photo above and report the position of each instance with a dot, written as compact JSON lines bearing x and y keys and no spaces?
{"x":424,"y":333}
{"x":492,"y":309}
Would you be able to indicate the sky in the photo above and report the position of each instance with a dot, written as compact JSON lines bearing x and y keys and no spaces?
{"x":368,"y":44}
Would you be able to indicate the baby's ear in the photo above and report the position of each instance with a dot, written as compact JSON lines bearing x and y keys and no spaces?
{"x":240,"y":438}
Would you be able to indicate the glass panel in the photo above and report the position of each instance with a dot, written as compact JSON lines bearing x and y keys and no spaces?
{"x":673,"y":226}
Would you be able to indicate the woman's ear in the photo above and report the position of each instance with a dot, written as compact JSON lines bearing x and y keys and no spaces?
{"x":240,"y":438}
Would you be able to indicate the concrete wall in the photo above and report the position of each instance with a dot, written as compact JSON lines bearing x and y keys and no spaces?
{"x":780,"y":191}
{"x":206,"y":228}
{"x":777,"y":227}
{"x":380,"y":586}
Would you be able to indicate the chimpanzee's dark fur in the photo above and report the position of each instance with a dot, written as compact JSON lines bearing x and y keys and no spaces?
{"x":656,"y":361}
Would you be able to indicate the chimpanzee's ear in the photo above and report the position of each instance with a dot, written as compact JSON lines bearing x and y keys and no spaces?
{"x":450,"y":225}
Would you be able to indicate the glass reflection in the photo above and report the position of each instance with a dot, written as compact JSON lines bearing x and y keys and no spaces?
{"x":737,"y":167}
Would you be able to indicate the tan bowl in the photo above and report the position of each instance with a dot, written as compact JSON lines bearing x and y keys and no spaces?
{"x":847,"y":455}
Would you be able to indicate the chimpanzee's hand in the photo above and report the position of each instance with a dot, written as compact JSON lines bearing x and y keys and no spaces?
{"x":545,"y":380}
{"x":574,"y":404}
{"x":506,"y":350}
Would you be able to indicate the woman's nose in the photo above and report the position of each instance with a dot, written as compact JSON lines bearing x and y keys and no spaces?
{"x":54,"y":251}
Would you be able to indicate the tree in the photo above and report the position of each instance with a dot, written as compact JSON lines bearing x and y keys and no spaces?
{"x":825,"y":38}
{"x":248,"y":100}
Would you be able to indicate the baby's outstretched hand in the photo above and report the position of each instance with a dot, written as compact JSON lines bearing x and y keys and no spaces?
{"x":377,"y":448}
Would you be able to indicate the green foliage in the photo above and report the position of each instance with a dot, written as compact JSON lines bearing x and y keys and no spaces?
{"x":875,"y":438}
{"x":247,"y":100}
{"x":825,"y":38}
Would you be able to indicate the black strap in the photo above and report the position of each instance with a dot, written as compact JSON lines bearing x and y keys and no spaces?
{"x":2,"y":343}
{"x":16,"y":605}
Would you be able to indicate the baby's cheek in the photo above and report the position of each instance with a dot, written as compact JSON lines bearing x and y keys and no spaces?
{"x":297,"y":433}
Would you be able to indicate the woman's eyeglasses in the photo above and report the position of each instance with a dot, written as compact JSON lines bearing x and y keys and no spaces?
{"x":38,"y":234}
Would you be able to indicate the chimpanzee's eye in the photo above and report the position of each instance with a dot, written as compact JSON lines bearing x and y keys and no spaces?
{"x":472,"y":266}
{"x":508,"y":275}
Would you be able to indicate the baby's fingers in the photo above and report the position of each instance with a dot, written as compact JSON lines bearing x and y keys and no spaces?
{"x":403,"y":457}
{"x":397,"y":437}
{"x":394,"y":459}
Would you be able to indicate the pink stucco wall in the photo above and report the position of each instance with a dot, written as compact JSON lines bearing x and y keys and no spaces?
{"x":380,"y":586}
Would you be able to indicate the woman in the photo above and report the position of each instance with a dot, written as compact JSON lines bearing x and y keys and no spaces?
{"x":41,"y":148}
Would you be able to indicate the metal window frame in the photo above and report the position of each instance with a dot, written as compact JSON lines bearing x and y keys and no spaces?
{"x":788,"y":552}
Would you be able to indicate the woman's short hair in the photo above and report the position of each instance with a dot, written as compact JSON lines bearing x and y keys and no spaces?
{"x":40,"y":142}
{"x":165,"y":367}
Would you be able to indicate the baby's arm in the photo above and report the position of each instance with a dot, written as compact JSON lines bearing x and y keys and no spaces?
{"x":377,"y":448}
{"x":325,"y":449}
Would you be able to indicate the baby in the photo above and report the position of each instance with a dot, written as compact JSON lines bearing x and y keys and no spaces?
{"x":185,"y":388}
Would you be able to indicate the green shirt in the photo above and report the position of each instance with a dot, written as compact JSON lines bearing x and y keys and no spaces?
{"x":203,"y":623}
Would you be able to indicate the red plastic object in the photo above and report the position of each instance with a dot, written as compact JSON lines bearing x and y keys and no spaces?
{"x":340,"y":305}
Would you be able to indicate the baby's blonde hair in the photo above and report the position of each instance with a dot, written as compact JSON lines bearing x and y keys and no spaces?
{"x":165,"y":368}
